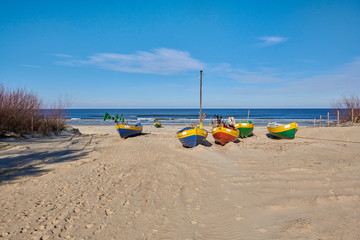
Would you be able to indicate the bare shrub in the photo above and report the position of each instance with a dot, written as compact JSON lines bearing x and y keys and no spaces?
{"x":21,"y":112}
{"x":55,"y":115}
{"x":345,"y":105}
{"x":17,"y":108}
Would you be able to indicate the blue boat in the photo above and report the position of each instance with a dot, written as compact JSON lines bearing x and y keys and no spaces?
{"x":192,"y":136}
{"x":126,"y":130}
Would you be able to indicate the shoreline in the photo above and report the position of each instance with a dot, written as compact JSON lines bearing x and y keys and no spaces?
{"x":186,"y":116}
{"x":261,"y":122}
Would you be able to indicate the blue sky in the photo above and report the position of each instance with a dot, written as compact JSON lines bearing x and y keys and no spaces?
{"x":147,"y":54}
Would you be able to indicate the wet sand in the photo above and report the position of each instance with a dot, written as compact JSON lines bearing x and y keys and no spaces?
{"x":98,"y":186}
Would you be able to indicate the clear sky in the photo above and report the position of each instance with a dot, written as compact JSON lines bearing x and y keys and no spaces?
{"x":147,"y":54}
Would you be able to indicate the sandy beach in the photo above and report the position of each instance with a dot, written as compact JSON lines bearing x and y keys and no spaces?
{"x":98,"y":186}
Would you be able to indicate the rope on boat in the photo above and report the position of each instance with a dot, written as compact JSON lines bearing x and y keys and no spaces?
{"x":331,"y":140}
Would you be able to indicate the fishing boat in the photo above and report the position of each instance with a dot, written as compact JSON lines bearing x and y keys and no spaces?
{"x":283,"y":130}
{"x":125,"y":130}
{"x":191,"y":136}
{"x":157,"y":124}
{"x":245,"y":128}
{"x":223,"y":133}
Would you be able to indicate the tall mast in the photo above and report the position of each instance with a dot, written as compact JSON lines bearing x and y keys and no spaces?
{"x":200,"y":120}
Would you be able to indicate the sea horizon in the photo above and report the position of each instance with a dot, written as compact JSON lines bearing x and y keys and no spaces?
{"x":179,"y":116}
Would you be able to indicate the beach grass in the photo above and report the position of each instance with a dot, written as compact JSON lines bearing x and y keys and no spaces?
{"x":22,"y":111}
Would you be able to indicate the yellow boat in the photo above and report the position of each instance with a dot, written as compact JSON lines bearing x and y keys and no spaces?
{"x":126,"y":130}
{"x":192,"y":136}
{"x":283,"y":131}
{"x":245,"y":128}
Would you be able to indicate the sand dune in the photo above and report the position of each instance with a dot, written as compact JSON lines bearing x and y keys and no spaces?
{"x":98,"y":186}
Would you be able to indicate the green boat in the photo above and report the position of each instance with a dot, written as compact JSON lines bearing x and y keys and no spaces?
{"x":245,"y":128}
{"x":157,"y":124}
{"x":283,"y":131}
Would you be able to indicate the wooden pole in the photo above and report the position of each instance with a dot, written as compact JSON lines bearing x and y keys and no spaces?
{"x":352,"y":116}
{"x":328,"y":119}
{"x":248,"y":114}
{"x":338,"y":117}
{"x":200,"y":120}
{"x":320,"y":121}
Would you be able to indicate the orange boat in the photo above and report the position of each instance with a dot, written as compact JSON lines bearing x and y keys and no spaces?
{"x":224,"y":134}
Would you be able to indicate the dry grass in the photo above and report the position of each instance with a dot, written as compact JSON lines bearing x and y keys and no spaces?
{"x":348,"y":107}
{"x":24,"y":112}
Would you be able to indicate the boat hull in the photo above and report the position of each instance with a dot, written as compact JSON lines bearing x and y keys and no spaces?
{"x":245,"y":128}
{"x":157,"y":125}
{"x":286,"y":131}
{"x":224,"y":135}
{"x":192,"y":136}
{"x":129,"y":130}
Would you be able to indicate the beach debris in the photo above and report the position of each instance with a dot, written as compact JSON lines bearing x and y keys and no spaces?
{"x":108,"y":212}
{"x":4,"y":234}
{"x":44,"y":237}
{"x":88,"y":226}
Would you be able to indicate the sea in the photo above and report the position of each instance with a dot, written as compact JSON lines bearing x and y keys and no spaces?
{"x":261,"y":117}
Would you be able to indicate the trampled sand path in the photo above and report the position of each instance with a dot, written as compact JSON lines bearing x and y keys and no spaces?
{"x":98,"y":186}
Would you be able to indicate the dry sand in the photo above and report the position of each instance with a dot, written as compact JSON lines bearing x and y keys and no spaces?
{"x":98,"y":186}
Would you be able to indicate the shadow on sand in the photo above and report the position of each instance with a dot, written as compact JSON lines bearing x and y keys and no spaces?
{"x":272,"y":137}
{"x":218,"y":143}
{"x":137,"y":135}
{"x":206,"y":143}
{"x":31,"y":164}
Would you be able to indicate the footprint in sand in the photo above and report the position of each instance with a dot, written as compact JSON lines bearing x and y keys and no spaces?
{"x":193,"y":222}
{"x":88,"y":226}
